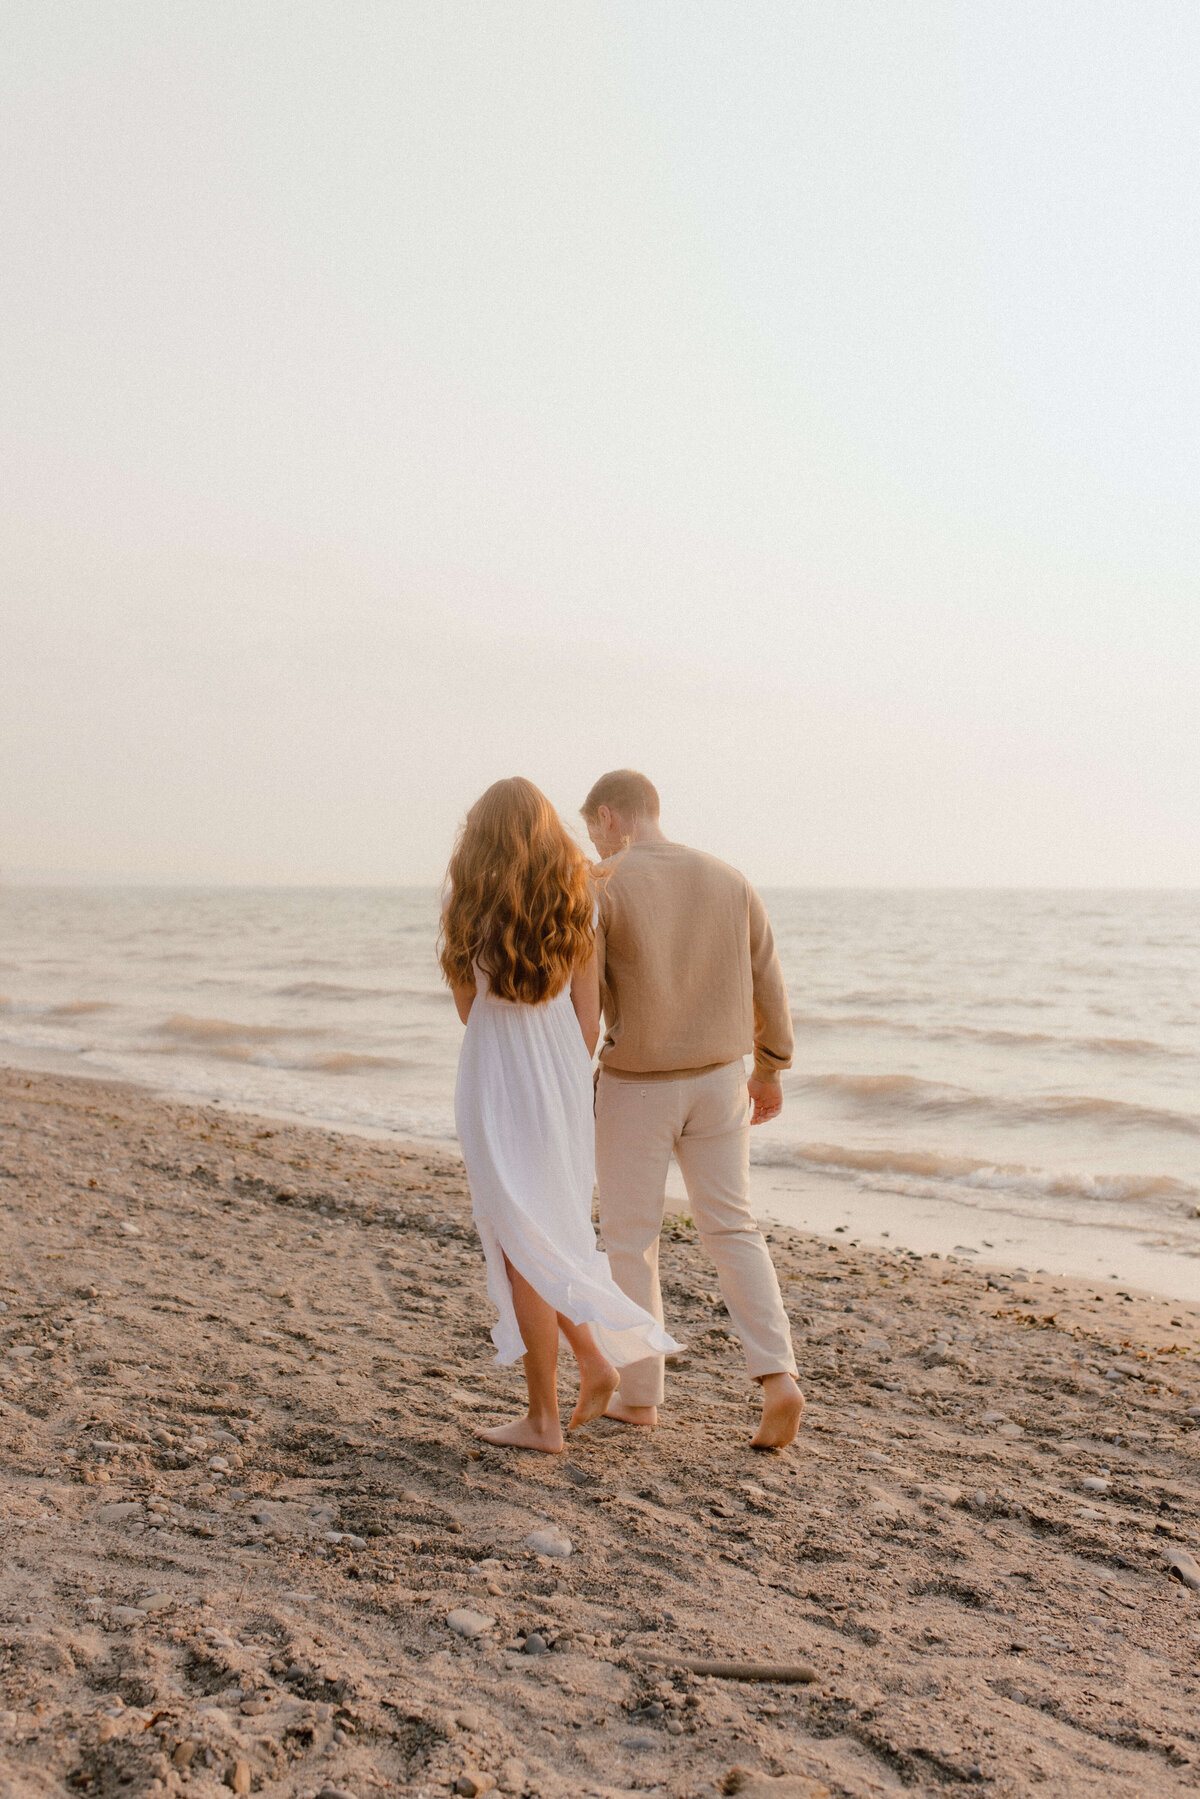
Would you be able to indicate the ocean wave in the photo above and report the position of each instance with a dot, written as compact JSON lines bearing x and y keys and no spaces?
{"x":71,"y":1008}
{"x":255,"y":1055}
{"x":218,"y":1031}
{"x":972,"y":1172}
{"x":348,"y":1062}
{"x":336,"y":990}
{"x":973,"y":1033}
{"x":899,"y":1095}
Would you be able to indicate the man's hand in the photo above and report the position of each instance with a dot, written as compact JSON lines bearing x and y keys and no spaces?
{"x":766,"y":1096}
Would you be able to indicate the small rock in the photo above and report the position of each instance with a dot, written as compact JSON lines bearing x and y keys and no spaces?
{"x":1094,"y":1484}
{"x":117,"y":1509}
{"x":218,"y":1464}
{"x":127,"y":1614}
{"x":641,"y":1739}
{"x":536,"y":1644}
{"x":470,"y":1783}
{"x":156,"y":1602}
{"x":238,"y":1777}
{"x":1182,"y":1567}
{"x":331,"y":1792}
{"x":512,"y":1776}
{"x":254,"y":1708}
{"x":468,"y":1719}
{"x":264,"y":1515}
{"x":465,"y":1623}
{"x":184,"y":1753}
{"x":549,"y":1541}
{"x":128,"y":1230}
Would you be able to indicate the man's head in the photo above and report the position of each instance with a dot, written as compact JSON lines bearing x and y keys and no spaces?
{"x":621,"y":807}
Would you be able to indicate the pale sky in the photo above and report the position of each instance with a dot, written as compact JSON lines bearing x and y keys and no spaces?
{"x":800,"y":402}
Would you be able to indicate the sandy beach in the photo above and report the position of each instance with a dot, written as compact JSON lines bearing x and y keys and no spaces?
{"x":251,"y":1544}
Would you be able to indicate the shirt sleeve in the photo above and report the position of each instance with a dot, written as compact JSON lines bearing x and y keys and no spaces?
{"x":773,"y":1037}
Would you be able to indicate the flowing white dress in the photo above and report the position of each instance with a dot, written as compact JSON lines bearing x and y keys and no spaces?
{"x":523,"y":1110}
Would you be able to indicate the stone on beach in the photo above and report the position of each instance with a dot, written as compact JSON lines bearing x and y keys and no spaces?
{"x":1183,"y":1567}
{"x":549,"y":1540}
{"x":466,"y":1623}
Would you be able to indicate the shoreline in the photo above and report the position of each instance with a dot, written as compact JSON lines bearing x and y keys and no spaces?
{"x":247,"y":1523}
{"x":1004,"y":1240}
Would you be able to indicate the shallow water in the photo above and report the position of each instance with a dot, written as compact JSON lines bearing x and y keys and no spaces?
{"x":1032,"y":1054}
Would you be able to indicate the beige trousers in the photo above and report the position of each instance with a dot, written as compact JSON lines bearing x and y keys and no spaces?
{"x":705,"y":1120}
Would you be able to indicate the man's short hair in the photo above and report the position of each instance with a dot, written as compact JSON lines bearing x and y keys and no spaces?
{"x":626,"y":792}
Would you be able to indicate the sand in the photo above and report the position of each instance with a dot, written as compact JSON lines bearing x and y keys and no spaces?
{"x":240,"y":1500}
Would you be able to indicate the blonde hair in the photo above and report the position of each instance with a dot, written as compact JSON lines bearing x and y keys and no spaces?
{"x":519,"y":902}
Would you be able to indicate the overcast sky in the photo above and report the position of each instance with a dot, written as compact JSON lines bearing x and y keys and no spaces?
{"x":798,"y":401}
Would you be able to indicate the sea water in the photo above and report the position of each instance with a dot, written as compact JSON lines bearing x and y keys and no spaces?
{"x":1029,"y":1056}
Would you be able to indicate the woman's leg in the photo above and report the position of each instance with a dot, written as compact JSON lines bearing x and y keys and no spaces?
{"x":598,"y":1379}
{"x":541,"y":1428}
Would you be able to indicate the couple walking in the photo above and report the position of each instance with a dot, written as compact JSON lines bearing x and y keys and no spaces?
{"x":674,"y":950}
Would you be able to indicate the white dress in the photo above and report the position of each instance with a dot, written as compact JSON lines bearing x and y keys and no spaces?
{"x":523,"y":1110}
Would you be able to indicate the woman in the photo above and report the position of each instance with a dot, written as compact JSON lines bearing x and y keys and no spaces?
{"x":518,"y":953}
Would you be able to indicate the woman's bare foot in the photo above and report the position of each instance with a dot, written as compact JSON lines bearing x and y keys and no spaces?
{"x":525,"y":1433}
{"x":783,"y":1402}
{"x":644,"y":1415}
{"x":597,"y":1384}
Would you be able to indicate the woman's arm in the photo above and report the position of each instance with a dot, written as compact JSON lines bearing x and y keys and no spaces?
{"x":585,"y":997}
{"x":464,"y":999}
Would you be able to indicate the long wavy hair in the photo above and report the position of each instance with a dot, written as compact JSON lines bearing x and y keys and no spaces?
{"x":518,"y":901}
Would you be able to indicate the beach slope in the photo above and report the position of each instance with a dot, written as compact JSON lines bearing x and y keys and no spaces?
{"x":251,"y":1544}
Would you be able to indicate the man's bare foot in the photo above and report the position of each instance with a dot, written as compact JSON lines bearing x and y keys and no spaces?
{"x":597,"y":1384}
{"x":644,"y":1415}
{"x":523,"y":1433}
{"x":783,"y":1402}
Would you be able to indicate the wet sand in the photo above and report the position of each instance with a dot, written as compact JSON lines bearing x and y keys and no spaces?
{"x":240,"y":1499}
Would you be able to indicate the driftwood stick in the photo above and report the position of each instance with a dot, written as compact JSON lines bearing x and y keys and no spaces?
{"x":799,"y":1673}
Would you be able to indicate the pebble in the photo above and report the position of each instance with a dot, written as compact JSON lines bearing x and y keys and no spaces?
{"x":218,"y":1464}
{"x":118,"y":1509}
{"x":549,"y":1541}
{"x":536,"y":1644}
{"x":641,"y":1739}
{"x":127,"y":1614}
{"x":471,"y":1783}
{"x":1183,"y":1567}
{"x":1094,"y":1484}
{"x":468,"y":1719}
{"x":331,"y":1792}
{"x":238,"y":1778}
{"x":465,"y":1623}
{"x":156,"y":1602}
{"x":512,"y":1776}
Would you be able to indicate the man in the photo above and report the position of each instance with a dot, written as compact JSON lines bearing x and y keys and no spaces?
{"x":690,"y":983}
